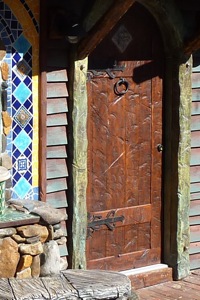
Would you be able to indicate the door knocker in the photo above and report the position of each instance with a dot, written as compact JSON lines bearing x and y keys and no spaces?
{"x":121,"y":87}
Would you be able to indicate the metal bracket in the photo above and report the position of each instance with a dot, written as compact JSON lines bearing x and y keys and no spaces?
{"x":108,"y":71}
{"x":95,"y":222}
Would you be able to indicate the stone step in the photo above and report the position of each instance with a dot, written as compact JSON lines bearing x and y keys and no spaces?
{"x":148,"y":276}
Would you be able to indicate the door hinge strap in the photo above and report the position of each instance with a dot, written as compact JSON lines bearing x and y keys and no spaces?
{"x":96,"y":221}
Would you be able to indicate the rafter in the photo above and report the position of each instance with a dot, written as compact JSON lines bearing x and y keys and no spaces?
{"x":103,"y":27}
{"x":192,"y":45}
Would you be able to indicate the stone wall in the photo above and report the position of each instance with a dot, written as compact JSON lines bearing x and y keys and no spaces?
{"x":31,"y":250}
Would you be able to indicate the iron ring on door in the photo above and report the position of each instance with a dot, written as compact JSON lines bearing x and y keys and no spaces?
{"x":118,"y":84}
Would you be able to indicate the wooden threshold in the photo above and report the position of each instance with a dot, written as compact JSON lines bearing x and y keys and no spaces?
{"x":149,"y":276}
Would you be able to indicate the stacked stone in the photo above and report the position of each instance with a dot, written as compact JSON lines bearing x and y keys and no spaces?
{"x":33,"y":250}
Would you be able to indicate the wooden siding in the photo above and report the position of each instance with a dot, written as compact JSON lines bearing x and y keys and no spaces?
{"x":53,"y":117}
{"x":195,"y":167}
{"x":56,"y":122}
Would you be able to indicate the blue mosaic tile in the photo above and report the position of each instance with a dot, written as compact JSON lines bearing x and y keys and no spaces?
{"x":27,"y":153}
{"x":21,"y":45}
{"x":28,"y":176}
{"x":16,"y":81}
{"x":22,"y":92}
{"x":19,"y":141}
{"x":16,"y":103}
{"x":16,"y":177}
{"x":36,"y":193}
{"x":28,"y":104}
{"x":16,"y":130}
{"x":15,"y":155}
{"x":22,"y":141}
{"x":22,"y":187}
{"x":23,"y":117}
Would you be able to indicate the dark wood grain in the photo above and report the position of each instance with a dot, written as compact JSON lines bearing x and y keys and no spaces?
{"x":124,"y":164}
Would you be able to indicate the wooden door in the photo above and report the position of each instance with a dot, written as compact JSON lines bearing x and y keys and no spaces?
{"x":124,"y":150}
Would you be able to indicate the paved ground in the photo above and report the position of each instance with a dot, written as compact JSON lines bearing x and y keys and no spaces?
{"x":187,"y":289}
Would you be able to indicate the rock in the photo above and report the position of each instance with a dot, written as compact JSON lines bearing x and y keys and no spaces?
{"x":2,"y":54}
{"x":8,"y":262}
{"x":33,"y":239}
{"x":50,"y":259}
{"x":32,"y":249}
{"x":18,"y":239}
{"x":56,"y":226}
{"x":8,"y":183}
{"x":4,"y":232}
{"x":58,"y":234}
{"x":35,"y":267}
{"x":24,"y":262}
{"x":6,"y":130}
{"x":63,"y":263}
{"x":6,"y":161}
{"x":4,"y":142}
{"x":6,"y":118}
{"x":4,"y":71}
{"x":29,"y":231}
{"x":24,"y":274}
{"x":4,"y":174}
{"x":47,"y":213}
{"x":8,"y":194}
{"x":61,"y":241}
{"x":51,"y":233}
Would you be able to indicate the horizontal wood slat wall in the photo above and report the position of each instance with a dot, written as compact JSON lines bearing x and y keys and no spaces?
{"x":56,"y":165}
{"x":195,"y":167}
{"x":53,"y":117}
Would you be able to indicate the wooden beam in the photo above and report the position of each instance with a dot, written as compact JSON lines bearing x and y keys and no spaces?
{"x":192,"y":45}
{"x":43,"y":103}
{"x":103,"y":27}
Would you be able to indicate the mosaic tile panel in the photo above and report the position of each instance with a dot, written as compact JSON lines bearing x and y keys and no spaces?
{"x":20,"y":100}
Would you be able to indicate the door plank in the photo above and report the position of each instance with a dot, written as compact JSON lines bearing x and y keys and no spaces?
{"x":132,"y":215}
{"x":126,"y":261}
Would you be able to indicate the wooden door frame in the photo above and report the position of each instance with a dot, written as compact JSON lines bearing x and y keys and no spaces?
{"x":176,"y":170}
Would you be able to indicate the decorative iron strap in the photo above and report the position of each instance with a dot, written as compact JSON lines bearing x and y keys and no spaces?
{"x":95,"y":222}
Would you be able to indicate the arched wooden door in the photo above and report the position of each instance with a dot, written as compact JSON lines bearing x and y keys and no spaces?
{"x":125,"y":146}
